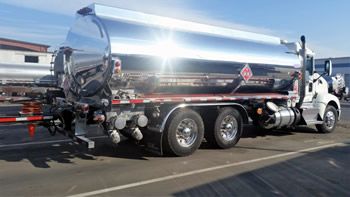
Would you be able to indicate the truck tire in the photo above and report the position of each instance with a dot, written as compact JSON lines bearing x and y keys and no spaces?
{"x":227,"y":129}
{"x":330,"y":118}
{"x":183,"y":133}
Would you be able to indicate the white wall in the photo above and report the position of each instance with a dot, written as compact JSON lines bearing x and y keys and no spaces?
{"x":17,"y":57}
{"x":337,"y":68}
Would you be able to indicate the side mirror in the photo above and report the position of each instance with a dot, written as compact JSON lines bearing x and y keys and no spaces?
{"x":328,"y":67}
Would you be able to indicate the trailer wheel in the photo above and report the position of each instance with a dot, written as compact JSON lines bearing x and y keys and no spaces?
{"x":184,"y":132}
{"x":330,"y":118}
{"x":227,"y":128}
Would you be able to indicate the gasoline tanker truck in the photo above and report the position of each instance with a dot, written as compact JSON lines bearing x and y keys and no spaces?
{"x":169,"y":83}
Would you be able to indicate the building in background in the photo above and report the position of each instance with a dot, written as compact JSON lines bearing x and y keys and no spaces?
{"x":18,"y":45}
{"x":341,"y":65}
{"x":24,"y":62}
{"x":20,"y":52}
{"x":339,"y":83}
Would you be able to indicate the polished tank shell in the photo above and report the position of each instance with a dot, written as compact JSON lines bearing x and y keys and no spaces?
{"x":166,"y":55}
{"x":26,"y":74}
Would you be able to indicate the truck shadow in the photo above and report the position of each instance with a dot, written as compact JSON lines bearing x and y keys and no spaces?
{"x":320,"y":173}
{"x":253,"y":132}
{"x":42,"y":155}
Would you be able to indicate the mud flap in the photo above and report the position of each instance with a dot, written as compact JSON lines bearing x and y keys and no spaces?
{"x":152,"y":140}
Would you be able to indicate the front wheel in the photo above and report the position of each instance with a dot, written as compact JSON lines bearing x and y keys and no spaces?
{"x":330,"y":118}
{"x":184,"y":132}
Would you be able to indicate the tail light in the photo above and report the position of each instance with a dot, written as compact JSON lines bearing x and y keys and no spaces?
{"x":31,"y":108}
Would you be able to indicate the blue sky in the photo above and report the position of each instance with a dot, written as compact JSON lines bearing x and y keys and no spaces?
{"x":325,"y":23}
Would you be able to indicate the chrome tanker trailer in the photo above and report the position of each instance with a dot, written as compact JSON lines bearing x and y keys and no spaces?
{"x":169,"y":83}
{"x":139,"y":53}
{"x":25,"y":79}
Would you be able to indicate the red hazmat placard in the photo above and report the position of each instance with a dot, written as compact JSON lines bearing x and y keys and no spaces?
{"x":246,"y":72}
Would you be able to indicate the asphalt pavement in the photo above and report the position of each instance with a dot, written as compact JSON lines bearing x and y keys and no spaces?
{"x":301,"y":162}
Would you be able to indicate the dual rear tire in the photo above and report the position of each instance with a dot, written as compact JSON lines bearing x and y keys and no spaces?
{"x":184,"y":131}
{"x":226,"y":130}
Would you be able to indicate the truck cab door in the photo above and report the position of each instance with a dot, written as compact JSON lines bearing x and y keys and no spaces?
{"x":310,"y":85}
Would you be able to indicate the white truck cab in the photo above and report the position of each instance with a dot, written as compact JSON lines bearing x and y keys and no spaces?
{"x":319,"y":106}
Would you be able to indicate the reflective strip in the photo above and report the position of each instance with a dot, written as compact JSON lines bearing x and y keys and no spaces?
{"x":136,"y":101}
{"x":146,"y":101}
{"x":167,"y":100}
{"x":115,"y":102}
{"x":25,"y":119}
{"x":48,"y":117}
{"x":34,"y":118}
{"x":7,"y":119}
{"x":178,"y":99}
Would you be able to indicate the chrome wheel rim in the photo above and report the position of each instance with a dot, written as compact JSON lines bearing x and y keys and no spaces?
{"x":330,"y":119}
{"x":228,"y":128}
{"x":186,"y":132}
